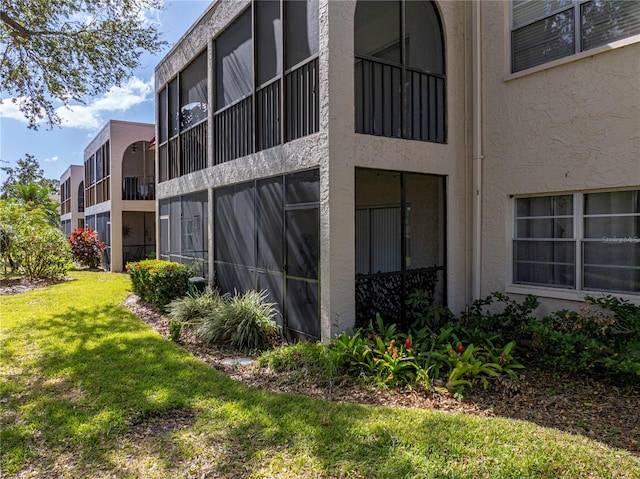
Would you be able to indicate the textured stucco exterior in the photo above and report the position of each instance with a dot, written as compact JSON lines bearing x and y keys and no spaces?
{"x":569,"y":126}
{"x":121,"y":134}
{"x":572,"y":125}
{"x":76,"y":174}
{"x":338,"y":151}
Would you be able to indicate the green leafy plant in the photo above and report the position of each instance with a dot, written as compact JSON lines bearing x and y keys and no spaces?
{"x":307,"y":360}
{"x":497,"y":318}
{"x":244,"y":321}
{"x":425,"y":314}
{"x":43,"y":252}
{"x":604,"y":336}
{"x":175,"y":329}
{"x":159,"y":282}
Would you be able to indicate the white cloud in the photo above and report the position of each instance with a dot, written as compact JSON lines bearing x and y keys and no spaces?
{"x":116,"y":99}
{"x":53,"y":159}
{"x":10,"y":109}
{"x":97,"y":110}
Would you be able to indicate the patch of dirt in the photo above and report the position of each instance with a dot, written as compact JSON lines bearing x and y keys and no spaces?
{"x":20,"y":284}
{"x":162,"y":423}
{"x":569,"y":402}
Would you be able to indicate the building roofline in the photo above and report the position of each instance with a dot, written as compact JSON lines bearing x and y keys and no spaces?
{"x":193,"y":26}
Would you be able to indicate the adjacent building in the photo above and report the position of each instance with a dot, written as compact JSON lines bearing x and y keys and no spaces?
{"x":119,"y":191}
{"x":72,"y":199}
{"x":344,"y":155}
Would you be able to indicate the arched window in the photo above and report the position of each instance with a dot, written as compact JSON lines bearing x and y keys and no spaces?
{"x":81,"y":197}
{"x":400,"y":82}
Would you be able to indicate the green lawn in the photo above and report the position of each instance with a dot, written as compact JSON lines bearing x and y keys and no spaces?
{"x":88,"y":390}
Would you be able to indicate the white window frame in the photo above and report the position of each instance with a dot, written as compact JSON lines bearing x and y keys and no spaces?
{"x":562,"y":292}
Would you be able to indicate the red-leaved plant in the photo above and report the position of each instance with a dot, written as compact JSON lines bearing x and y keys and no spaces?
{"x":86,"y":248}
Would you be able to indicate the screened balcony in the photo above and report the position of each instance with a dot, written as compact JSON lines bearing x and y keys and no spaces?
{"x":400,"y":243}
{"x":400,"y":76}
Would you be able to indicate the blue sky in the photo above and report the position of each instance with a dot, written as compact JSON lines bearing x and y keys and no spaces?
{"x":60,"y":147}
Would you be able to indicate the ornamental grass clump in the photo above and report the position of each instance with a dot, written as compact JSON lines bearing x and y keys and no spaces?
{"x":244,"y":322}
{"x":191,"y":310}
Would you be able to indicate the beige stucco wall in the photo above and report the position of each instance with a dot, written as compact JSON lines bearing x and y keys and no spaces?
{"x":76,"y":174}
{"x":121,"y":134}
{"x":348,"y":150}
{"x":569,"y":126}
{"x":337,"y":150}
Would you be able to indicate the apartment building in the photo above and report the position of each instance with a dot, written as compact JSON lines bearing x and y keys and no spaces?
{"x":344,"y":155}
{"x":119,"y":191}
{"x":72,"y":199}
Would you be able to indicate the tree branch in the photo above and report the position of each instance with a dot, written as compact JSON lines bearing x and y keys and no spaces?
{"x":18,"y":29}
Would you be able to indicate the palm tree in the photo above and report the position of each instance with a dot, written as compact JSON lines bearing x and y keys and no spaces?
{"x":37,"y":196}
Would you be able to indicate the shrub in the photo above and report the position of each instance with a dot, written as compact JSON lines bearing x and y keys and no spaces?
{"x":7,"y":242}
{"x":86,"y":248}
{"x":159,"y":282}
{"x":43,"y":252}
{"x":604,"y":336}
{"x":243,"y":322}
{"x":485,"y":321}
{"x":30,"y":244}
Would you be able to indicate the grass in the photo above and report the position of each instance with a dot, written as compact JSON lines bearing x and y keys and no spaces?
{"x":88,"y":390}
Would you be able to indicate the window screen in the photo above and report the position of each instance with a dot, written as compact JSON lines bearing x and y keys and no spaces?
{"x":606,"y":21}
{"x":302,"y":30}
{"x":545,"y":30}
{"x":268,"y":40}
{"x":173,"y":108}
{"x":234,"y":62}
{"x":303,"y":187}
{"x":377,"y":29}
{"x":423,"y":28}
{"x":611,"y":245}
{"x":234,"y":229}
{"x":544,"y":245}
{"x":193,"y":92}
{"x":162,"y":115}
{"x":269,"y":224}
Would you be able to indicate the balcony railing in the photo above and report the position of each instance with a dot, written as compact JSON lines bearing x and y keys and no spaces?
{"x":399,"y":102}
{"x":138,"y":188}
{"x":233,"y":128}
{"x":268,"y":116}
{"x":193,"y":148}
{"x":302,"y":101}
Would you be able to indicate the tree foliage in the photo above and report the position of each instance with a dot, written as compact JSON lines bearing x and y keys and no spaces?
{"x":29,"y":244}
{"x":66,"y":50}
{"x":27,"y":171}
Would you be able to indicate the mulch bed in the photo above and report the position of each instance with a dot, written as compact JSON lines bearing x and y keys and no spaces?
{"x":577,"y":404}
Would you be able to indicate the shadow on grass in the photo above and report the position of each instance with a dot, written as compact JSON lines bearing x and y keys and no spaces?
{"x":100,"y":375}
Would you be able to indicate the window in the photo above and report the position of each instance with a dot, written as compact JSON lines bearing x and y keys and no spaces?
{"x":184,"y":230}
{"x":81,"y":197}
{"x":234,"y":62}
{"x":193,"y":93}
{"x":545,"y":30}
{"x":583,"y":241}
{"x":399,"y":70}
{"x":267,"y":237}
